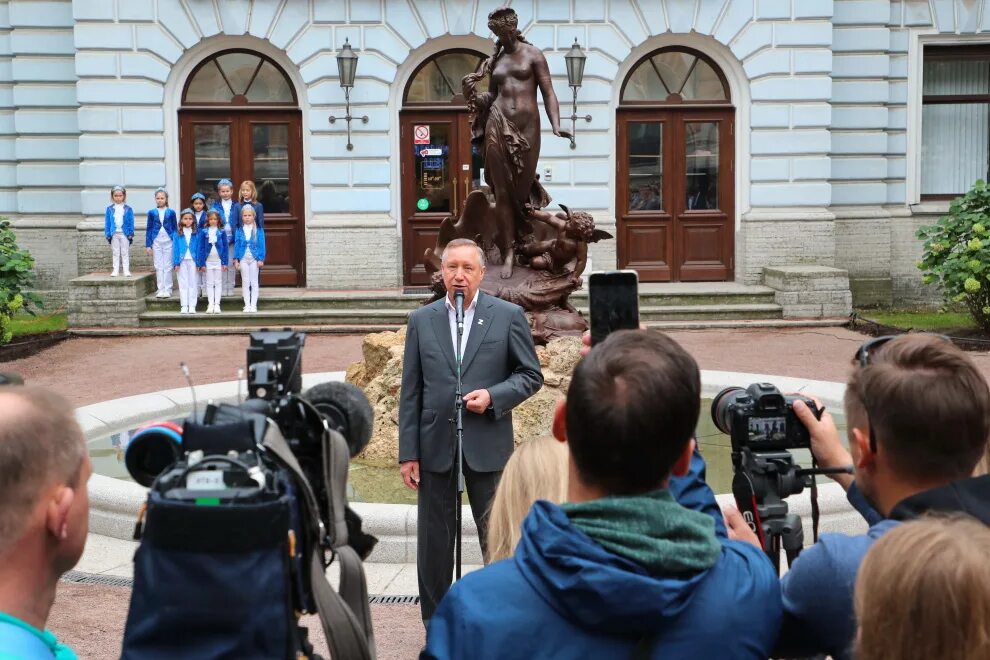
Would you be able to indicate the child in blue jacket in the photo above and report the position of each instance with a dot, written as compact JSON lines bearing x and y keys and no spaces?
{"x":198,"y":204}
{"x":249,"y":256}
{"x":230,"y":216}
{"x":118,"y":227}
{"x":249,"y":197}
{"x":211,"y":259}
{"x":184,"y":250}
{"x":161,"y":227}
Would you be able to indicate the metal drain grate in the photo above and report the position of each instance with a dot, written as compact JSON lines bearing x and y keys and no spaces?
{"x":78,"y":577}
{"x":393,"y":600}
{"x":94,"y":578}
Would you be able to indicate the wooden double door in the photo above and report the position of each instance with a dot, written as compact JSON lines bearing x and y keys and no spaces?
{"x":675,"y":193}
{"x":440,"y":167}
{"x":261,"y":146}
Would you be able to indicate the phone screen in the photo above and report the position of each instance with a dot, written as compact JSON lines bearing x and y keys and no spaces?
{"x":614,"y":301}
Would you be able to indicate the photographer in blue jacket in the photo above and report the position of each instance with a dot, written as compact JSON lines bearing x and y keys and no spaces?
{"x":636,"y":564}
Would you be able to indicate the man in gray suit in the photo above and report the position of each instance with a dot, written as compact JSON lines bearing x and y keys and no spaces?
{"x":499,"y":371}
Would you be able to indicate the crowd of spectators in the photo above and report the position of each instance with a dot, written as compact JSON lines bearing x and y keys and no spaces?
{"x":606,"y":541}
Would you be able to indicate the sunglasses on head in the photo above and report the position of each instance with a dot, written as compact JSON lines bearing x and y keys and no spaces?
{"x":862,"y":358}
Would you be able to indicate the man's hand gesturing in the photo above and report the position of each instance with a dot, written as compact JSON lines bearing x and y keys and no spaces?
{"x":478,"y":401}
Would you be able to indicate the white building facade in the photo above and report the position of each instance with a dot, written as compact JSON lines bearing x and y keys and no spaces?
{"x":725,"y":135}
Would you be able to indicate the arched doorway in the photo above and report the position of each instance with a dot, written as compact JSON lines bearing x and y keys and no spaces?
{"x":240,"y":119}
{"x":439,"y":165}
{"x":674,"y":161}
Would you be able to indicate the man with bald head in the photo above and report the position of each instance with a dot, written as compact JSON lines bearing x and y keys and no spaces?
{"x":499,"y":370}
{"x":44,"y":516}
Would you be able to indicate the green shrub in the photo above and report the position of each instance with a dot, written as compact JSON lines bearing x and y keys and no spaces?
{"x":16,"y":276}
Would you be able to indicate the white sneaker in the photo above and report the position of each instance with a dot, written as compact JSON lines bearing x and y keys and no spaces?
{"x":255,"y":309}
{"x":113,"y":274}
{"x":209,"y":309}
{"x":184,"y":311}
{"x":127,"y":273}
{"x":216,"y":309}
{"x":246,"y":309}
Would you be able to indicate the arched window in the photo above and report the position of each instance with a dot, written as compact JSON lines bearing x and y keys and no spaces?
{"x":675,"y":75}
{"x":437,"y":81}
{"x":236,"y":77}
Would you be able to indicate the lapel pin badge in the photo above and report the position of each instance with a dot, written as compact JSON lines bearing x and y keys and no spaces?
{"x":481,"y":321}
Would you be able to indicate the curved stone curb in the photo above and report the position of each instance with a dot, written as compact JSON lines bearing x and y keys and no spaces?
{"x":114,"y":503}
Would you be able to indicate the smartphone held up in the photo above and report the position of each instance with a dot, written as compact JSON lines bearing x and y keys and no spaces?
{"x":614,"y":303}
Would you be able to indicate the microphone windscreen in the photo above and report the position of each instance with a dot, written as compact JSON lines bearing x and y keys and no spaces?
{"x":347,"y":402}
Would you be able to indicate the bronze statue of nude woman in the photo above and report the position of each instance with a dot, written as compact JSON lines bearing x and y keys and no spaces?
{"x":506,"y":127}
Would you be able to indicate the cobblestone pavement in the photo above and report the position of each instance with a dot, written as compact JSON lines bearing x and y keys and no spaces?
{"x":91,"y":618}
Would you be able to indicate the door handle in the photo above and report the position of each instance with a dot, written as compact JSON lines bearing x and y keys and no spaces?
{"x":467,"y":188}
{"x":453,"y":185}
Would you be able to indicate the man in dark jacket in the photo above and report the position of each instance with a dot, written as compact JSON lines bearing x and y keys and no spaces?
{"x":623,"y":569}
{"x":918,"y":414}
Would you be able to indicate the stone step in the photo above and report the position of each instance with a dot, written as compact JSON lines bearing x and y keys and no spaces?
{"x":651,"y":295}
{"x":233,"y":316}
{"x":377,"y":317}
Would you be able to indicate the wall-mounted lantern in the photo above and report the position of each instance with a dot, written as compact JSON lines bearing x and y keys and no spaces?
{"x":575,"y":60}
{"x":347,"y":61}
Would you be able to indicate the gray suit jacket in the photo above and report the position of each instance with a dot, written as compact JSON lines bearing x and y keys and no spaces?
{"x":499,"y":356}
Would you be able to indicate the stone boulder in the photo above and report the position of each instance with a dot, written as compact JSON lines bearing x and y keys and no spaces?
{"x":380,"y":376}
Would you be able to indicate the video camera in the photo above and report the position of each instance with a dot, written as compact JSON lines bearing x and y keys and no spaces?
{"x":763,"y":428}
{"x":245,"y":504}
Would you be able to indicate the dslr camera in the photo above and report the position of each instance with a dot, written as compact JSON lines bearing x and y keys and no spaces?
{"x":763,"y":428}
{"x":246,"y":510}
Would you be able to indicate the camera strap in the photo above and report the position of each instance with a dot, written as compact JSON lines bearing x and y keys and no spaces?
{"x":346,"y":636}
{"x":815,"y":511}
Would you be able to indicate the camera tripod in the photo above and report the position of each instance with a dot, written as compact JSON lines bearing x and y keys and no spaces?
{"x":761,"y":483}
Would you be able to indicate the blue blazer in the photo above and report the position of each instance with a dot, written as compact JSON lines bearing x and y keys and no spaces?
{"x":179,"y":246}
{"x":108,"y":226}
{"x":257,"y":244}
{"x":259,"y":212}
{"x":203,"y":247}
{"x":200,"y":219}
{"x":234,"y":219}
{"x":171,"y":223}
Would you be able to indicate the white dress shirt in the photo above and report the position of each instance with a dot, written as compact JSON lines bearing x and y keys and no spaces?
{"x":468,"y":320}
{"x":162,"y":233}
{"x":118,"y":218}
{"x":187,"y":232}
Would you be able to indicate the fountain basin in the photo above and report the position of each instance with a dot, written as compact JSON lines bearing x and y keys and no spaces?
{"x":114,"y":502}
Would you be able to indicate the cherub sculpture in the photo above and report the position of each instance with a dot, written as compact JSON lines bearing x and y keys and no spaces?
{"x":574,"y":232}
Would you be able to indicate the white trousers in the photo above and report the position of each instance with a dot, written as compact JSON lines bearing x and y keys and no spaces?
{"x":214,"y":283}
{"x":249,"y":281}
{"x":161,"y":251}
{"x":230,"y":277}
{"x":187,"y":284}
{"x":121,"y":253}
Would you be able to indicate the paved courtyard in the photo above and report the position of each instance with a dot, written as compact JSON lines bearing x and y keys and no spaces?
{"x":91,"y":618}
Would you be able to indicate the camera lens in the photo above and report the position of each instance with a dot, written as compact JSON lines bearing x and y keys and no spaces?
{"x":720,"y":408}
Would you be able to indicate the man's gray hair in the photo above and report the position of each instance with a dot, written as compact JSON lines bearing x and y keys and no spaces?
{"x":463,"y":242}
{"x":40,"y":443}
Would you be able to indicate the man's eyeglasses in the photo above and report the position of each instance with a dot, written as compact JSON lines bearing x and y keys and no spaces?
{"x":862,"y":358}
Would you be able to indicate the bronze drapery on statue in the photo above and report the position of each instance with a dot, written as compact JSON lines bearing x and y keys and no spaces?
{"x":541,"y":255}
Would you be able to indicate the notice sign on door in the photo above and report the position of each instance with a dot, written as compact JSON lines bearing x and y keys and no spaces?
{"x":421,"y":134}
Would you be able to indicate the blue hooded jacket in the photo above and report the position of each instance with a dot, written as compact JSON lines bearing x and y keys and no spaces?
{"x":562,"y":595}
{"x":171,"y":223}
{"x":108,"y":224}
